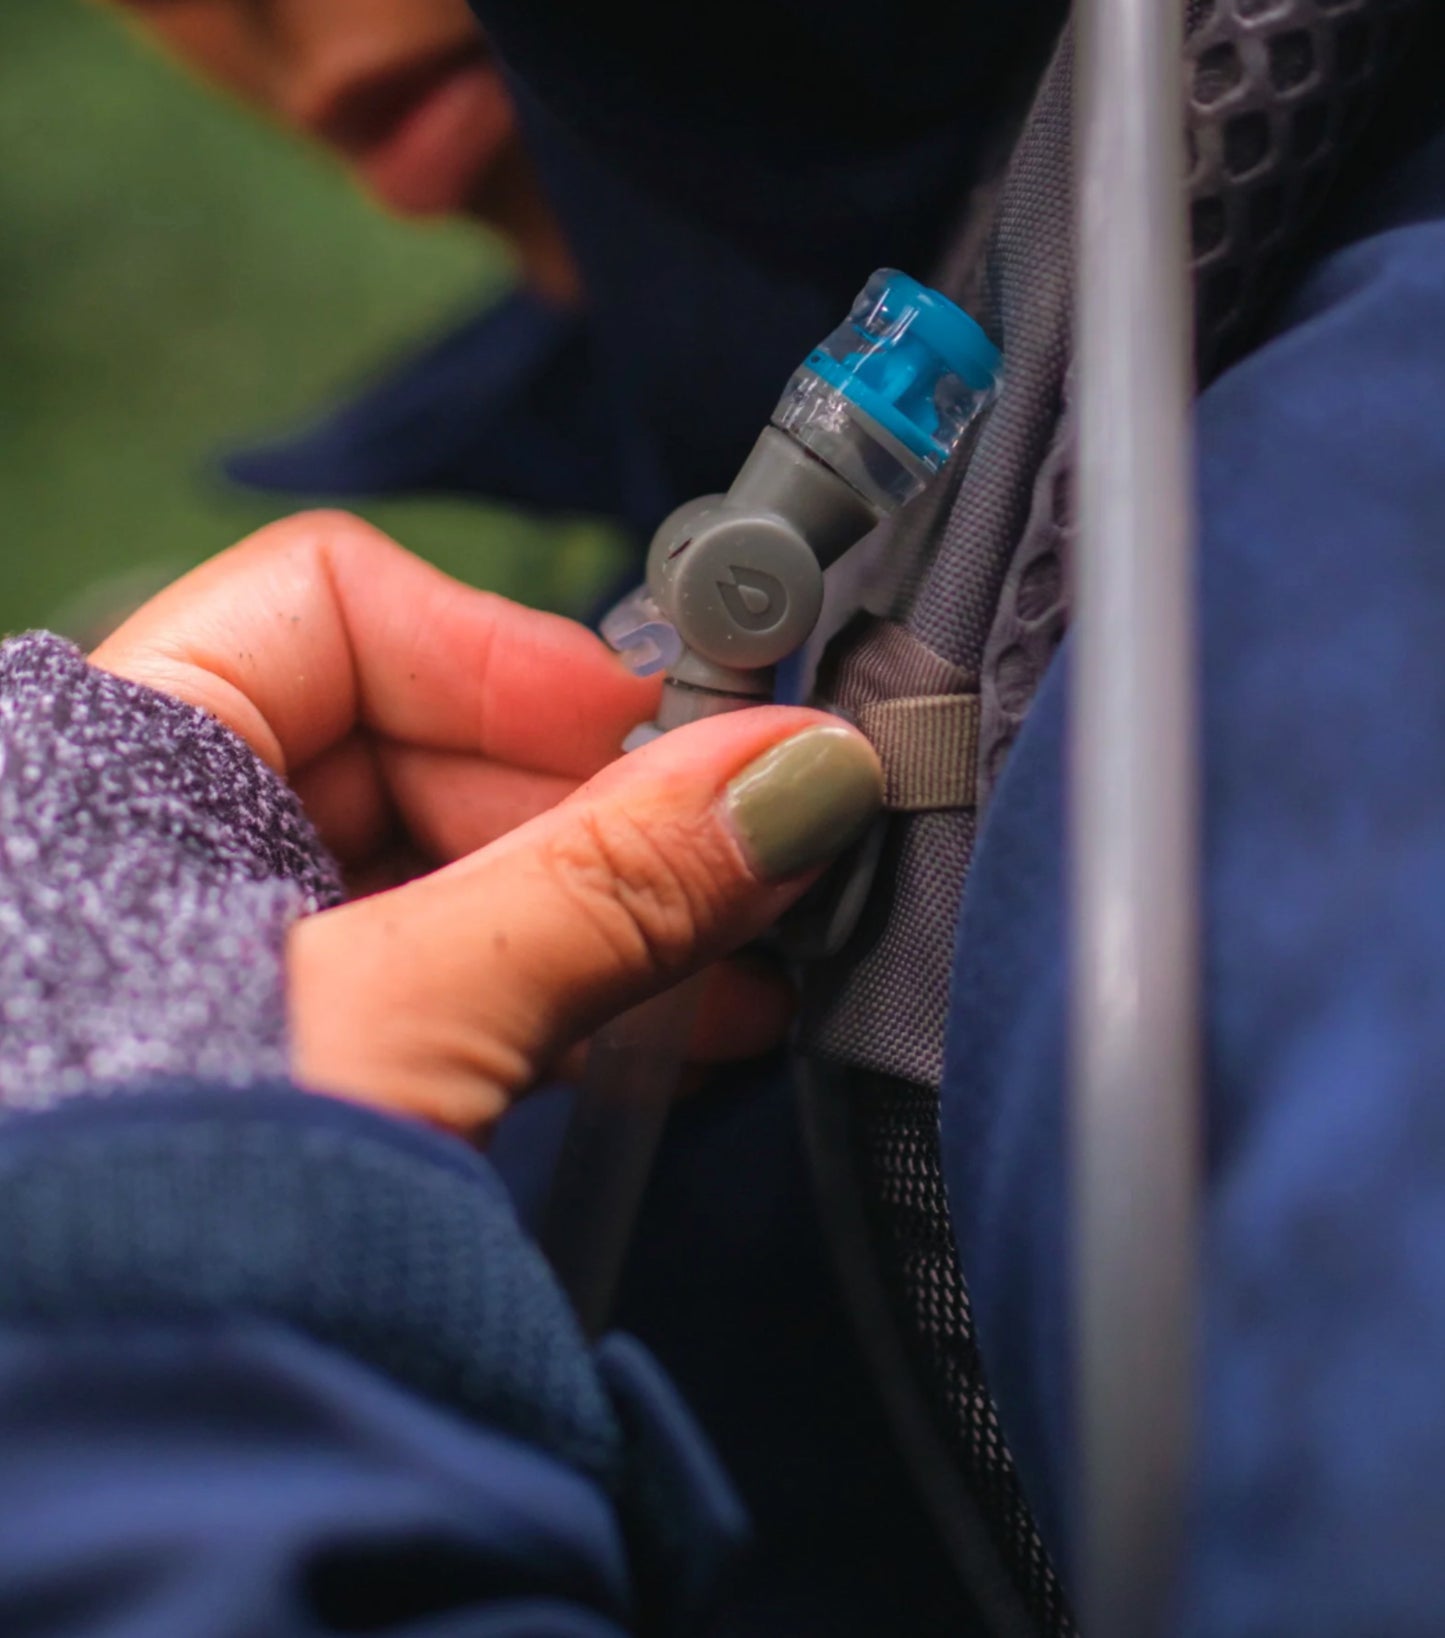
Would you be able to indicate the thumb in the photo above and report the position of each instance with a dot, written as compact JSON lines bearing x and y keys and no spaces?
{"x":448,"y":997}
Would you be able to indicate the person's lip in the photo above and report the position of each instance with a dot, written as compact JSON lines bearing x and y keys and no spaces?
{"x":362,"y":110}
{"x":418,"y":133}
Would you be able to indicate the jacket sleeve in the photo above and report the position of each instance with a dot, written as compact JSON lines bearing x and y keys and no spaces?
{"x":269,"y":1362}
{"x":150,"y":865}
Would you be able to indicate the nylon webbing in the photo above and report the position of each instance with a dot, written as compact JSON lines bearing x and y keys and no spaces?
{"x":928,"y":746}
{"x":920,"y":711}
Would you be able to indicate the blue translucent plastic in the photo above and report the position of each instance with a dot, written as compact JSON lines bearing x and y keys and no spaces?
{"x":912,"y":361}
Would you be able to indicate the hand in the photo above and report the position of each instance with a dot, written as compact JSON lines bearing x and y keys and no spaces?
{"x":429,"y":726}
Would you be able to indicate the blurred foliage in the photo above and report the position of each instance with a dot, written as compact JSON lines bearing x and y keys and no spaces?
{"x":176,"y":278}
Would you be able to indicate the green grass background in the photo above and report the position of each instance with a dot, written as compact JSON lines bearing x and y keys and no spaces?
{"x":176,"y":277}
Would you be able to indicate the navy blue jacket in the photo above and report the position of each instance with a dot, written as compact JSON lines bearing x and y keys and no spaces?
{"x":1322,"y":584}
{"x":510,"y":406}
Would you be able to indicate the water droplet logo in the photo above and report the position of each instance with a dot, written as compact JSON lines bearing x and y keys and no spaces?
{"x":756,"y":601}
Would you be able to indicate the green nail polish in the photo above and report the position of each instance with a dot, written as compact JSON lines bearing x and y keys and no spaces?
{"x":801,"y":803}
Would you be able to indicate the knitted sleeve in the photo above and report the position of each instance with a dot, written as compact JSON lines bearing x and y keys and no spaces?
{"x":150,"y":865}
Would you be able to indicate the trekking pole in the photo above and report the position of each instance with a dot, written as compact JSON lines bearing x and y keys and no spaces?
{"x":1134,"y":1105}
{"x":734,"y":586}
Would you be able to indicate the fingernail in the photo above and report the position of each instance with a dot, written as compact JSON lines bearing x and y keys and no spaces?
{"x":801,"y":803}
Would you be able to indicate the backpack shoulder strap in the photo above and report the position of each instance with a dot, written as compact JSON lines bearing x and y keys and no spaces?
{"x":1274,"y":98}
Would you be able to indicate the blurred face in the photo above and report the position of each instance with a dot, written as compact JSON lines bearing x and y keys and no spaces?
{"x":405,"y":91}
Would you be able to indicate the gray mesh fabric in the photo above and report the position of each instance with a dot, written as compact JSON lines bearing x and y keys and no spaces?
{"x":897,"y":1156}
{"x":1277,"y":92}
{"x":1033,"y":608}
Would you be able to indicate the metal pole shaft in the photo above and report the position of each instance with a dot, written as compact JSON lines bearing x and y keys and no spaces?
{"x":1134,"y":1113}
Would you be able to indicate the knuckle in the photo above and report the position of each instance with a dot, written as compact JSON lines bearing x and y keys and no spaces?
{"x":317,"y":526}
{"x":647,"y":895}
{"x":335,"y":525}
{"x":326,"y":535}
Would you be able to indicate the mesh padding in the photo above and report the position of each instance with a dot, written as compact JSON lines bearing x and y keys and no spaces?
{"x":898,"y":1160}
{"x":1278,"y":91}
{"x":1033,"y":609}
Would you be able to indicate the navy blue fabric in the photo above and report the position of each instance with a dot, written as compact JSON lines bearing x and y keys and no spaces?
{"x":266,"y":1359}
{"x":239,"y":1478}
{"x":1321,"y":1472}
{"x":722,"y":217}
{"x":818,"y":138}
{"x":374,"y":1235}
{"x":689,"y":1525}
{"x":729,"y":175}
{"x":509,"y":407}
{"x":224,"y":1292}
{"x":729,"y":1287}
{"x":567,"y":413}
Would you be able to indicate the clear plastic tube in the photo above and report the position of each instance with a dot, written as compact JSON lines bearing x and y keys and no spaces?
{"x":617,"y":1121}
{"x":883,"y":403}
{"x":612,"y":1138}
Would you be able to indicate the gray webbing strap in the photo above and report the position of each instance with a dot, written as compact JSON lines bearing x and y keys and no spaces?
{"x":920,"y":711}
{"x":928,"y":745}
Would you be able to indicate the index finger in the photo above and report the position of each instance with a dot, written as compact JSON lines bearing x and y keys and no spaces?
{"x":320,"y":623}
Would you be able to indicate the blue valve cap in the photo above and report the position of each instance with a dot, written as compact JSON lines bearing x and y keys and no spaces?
{"x":888,"y":397}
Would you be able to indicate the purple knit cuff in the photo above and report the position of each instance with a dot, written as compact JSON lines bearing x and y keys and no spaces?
{"x":150,"y":865}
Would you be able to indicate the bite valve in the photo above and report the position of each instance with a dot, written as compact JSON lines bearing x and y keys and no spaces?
{"x":735,"y":581}
{"x":734,"y":585}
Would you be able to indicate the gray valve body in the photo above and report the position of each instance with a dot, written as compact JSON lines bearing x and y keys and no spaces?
{"x":741,"y":575}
